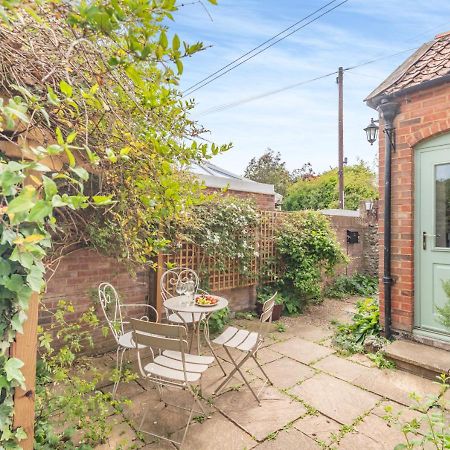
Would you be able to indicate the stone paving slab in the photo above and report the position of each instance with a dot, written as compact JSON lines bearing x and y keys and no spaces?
{"x":318,"y":427}
{"x":122,"y":436}
{"x":357,"y":441}
{"x":309,"y":332}
{"x":303,"y":351}
{"x":284,"y":372}
{"x":289,"y":439}
{"x":217,"y":433}
{"x":378,"y":430}
{"x":392,"y":384}
{"x":335,"y":398}
{"x":276,"y":411}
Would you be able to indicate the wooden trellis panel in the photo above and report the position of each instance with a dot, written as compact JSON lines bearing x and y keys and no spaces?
{"x":190,"y":255}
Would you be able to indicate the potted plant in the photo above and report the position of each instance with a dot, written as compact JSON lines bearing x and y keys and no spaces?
{"x":263,"y":295}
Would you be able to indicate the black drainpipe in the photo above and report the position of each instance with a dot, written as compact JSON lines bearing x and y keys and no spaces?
{"x":388,"y":111}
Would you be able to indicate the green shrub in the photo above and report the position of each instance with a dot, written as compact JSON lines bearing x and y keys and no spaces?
{"x":71,"y":412}
{"x":350,"y":338}
{"x":218,"y":320}
{"x":308,"y":249}
{"x":357,"y":284}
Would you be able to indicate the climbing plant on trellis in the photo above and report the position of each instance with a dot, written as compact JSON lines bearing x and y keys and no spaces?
{"x":86,"y":87}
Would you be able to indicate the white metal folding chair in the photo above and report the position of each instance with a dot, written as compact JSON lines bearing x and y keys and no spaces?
{"x":248,"y":342}
{"x":171,"y":365}
{"x":112,"y":309}
{"x":169,"y":282}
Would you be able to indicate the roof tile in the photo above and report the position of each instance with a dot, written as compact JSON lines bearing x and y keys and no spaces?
{"x":430,"y":62}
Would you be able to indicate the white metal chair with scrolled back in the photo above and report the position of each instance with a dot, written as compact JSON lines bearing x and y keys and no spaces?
{"x":171,"y":366}
{"x":112,"y":309}
{"x":248,"y":342}
{"x":170,"y":282}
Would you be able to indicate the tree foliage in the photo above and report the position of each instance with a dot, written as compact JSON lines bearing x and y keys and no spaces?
{"x":94,"y":133}
{"x":270,"y":169}
{"x":321,"y":192}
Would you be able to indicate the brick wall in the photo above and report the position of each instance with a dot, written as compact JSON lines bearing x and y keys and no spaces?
{"x":263,"y":201}
{"x":77,"y":279}
{"x":422,"y":115}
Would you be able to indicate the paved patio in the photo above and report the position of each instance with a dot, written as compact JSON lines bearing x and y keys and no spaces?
{"x":319,"y":399}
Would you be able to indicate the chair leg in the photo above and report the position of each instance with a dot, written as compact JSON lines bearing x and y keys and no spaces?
{"x":262,"y":370}
{"x":236,"y":369}
{"x":119,"y":362}
{"x":208,"y":342}
{"x":216,"y":358}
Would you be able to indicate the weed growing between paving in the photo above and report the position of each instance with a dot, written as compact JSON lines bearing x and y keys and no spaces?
{"x":362,"y":332}
{"x":432,"y":429}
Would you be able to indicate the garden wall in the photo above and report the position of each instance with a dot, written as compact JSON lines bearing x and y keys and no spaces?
{"x":76,"y":280}
{"x":79,"y":273}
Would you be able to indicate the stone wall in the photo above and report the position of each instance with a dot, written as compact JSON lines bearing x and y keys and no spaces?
{"x":363,"y":255}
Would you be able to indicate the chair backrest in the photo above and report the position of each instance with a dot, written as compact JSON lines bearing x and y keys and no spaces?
{"x":266,"y":315}
{"x":110,"y":303}
{"x":160,"y":337}
{"x":172,"y":277}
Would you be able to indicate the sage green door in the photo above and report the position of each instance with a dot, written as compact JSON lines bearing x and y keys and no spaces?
{"x":432,"y":233}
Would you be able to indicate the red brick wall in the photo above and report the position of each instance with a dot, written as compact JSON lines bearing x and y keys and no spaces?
{"x":422,"y":115}
{"x":77,"y":279}
{"x":263,"y":201}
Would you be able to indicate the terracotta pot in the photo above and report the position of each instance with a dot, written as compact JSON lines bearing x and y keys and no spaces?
{"x":277,"y":311}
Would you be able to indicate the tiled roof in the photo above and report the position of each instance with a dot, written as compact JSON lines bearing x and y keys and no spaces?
{"x":429,"y":62}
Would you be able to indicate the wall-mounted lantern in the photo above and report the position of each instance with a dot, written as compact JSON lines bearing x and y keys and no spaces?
{"x":372,"y":131}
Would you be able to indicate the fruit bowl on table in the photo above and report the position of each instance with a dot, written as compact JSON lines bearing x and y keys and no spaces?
{"x":206,"y":300}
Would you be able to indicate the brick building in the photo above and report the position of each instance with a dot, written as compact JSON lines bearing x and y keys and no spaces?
{"x":414,"y":107}
{"x":216,"y":179}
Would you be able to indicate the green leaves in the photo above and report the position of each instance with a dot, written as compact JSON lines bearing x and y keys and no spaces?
{"x":66,"y":88}
{"x":13,"y":373}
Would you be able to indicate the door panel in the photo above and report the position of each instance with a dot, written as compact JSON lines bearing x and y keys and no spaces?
{"x":432,"y":232}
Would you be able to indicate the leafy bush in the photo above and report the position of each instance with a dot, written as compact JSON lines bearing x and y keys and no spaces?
{"x":432,"y":428}
{"x":357,"y":284}
{"x":321,"y":192}
{"x":265,"y":292}
{"x":70,"y":411}
{"x":308,"y":249}
{"x":223,"y":228}
{"x":350,"y":338}
{"x":218,"y":320}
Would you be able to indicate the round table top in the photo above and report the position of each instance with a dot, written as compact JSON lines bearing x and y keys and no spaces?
{"x":179,"y":304}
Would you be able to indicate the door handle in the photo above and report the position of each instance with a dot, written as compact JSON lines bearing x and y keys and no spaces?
{"x":424,"y":238}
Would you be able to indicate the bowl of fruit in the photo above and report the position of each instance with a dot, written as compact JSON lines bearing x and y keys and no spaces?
{"x":206,"y":300}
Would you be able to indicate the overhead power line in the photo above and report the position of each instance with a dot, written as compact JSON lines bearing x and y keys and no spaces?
{"x":263,"y":47}
{"x":292,"y":86}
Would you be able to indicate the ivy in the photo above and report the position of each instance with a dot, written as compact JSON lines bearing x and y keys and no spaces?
{"x":91,"y":99}
{"x":224,"y":228}
{"x":307,"y":248}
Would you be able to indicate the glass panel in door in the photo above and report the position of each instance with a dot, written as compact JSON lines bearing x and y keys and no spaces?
{"x":442,"y":186}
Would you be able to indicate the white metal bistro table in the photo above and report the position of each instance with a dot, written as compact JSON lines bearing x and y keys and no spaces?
{"x":180,"y":305}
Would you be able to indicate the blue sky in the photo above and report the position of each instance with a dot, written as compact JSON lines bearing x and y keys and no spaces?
{"x":300,"y":123}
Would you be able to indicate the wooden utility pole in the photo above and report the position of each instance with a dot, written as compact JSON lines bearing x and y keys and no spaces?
{"x":340,"y":82}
